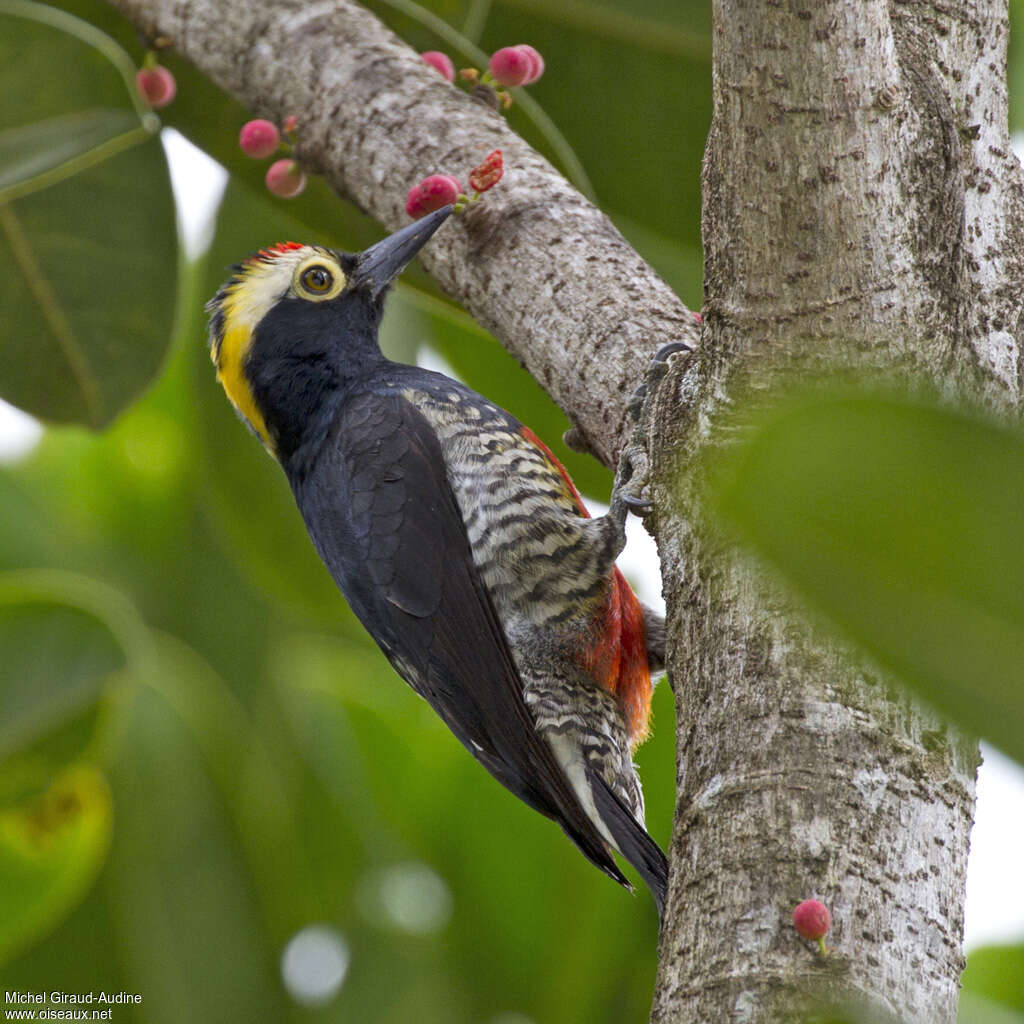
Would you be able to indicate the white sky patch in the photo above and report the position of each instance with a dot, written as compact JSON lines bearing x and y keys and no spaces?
{"x":995,"y":882}
{"x":428,"y":359}
{"x":19,"y":433}
{"x":198,"y":182}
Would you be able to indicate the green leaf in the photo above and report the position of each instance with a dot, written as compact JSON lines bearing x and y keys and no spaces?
{"x":996,"y":974}
{"x":51,"y":849}
{"x":32,"y":149}
{"x":54,"y":660}
{"x":902,"y":522}
{"x":88,"y":263}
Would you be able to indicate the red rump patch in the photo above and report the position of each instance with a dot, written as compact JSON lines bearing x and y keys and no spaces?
{"x":271,"y":253}
{"x":633,"y":686}
{"x":617,"y":658}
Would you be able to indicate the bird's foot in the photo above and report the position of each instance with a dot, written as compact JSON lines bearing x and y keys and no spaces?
{"x":657,"y":369}
{"x":628,"y":493}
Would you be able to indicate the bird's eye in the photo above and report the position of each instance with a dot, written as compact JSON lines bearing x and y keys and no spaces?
{"x":317,"y":280}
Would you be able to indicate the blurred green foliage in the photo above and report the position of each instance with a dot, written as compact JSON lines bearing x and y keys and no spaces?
{"x":993,"y":986}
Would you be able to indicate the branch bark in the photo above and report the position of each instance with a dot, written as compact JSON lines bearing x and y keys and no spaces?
{"x":528,"y":263}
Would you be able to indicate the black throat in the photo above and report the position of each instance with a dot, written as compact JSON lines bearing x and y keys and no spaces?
{"x":305,"y":357}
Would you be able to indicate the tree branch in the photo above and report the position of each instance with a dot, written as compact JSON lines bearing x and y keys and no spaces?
{"x":540,"y":267}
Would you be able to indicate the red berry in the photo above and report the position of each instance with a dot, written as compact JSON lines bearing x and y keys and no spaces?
{"x":698,"y":317}
{"x":510,"y":66}
{"x":811,"y":919}
{"x":440,"y":62}
{"x":258,"y":138}
{"x":536,"y":62}
{"x":285,"y":178}
{"x":431,"y":194}
{"x":488,"y":174}
{"x":156,"y":86}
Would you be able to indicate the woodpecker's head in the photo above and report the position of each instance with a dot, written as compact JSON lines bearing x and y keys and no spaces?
{"x":294,"y":321}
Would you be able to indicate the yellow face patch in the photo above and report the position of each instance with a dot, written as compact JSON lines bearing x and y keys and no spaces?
{"x":301,"y":271}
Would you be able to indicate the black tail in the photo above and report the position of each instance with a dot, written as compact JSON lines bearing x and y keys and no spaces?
{"x":633,"y":842}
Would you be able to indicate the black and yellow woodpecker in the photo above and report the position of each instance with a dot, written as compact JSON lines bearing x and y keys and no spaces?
{"x":455,"y":535}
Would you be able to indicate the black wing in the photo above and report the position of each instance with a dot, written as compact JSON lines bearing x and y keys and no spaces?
{"x":383,"y":516}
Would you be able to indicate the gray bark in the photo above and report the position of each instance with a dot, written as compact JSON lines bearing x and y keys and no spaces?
{"x":861,"y":206}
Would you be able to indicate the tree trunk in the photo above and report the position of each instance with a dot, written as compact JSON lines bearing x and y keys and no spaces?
{"x":861,"y":207}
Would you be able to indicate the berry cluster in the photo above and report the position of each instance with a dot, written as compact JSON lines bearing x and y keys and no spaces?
{"x":260,"y":139}
{"x":439,"y":190}
{"x":509,"y":66}
{"x":516,"y":65}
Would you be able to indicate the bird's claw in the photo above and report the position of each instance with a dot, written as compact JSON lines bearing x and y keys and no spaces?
{"x":656,"y":369}
{"x":641,"y":507}
{"x":631,"y":474}
{"x":670,"y":349}
{"x":635,"y":405}
{"x":630,"y":483}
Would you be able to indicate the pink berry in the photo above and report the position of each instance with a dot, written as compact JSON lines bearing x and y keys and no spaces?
{"x":698,"y":318}
{"x":258,"y":138}
{"x":291,"y":123}
{"x":488,"y":174}
{"x":536,"y":62}
{"x":510,"y":66}
{"x":156,"y":86}
{"x":285,"y":178}
{"x":441,"y":63}
{"x":431,"y":194}
{"x":812,"y":920}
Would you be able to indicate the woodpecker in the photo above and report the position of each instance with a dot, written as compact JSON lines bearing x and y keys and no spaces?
{"x":457,"y":538}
